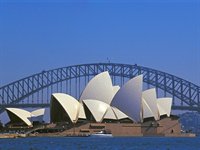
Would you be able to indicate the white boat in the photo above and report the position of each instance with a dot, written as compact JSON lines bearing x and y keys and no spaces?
{"x":101,"y":134}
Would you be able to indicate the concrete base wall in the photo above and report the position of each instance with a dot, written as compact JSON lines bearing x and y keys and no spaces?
{"x":164,"y":127}
{"x":169,"y":126}
{"x":124,"y":129}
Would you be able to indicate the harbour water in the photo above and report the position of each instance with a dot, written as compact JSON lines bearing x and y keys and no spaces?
{"x":128,"y":143}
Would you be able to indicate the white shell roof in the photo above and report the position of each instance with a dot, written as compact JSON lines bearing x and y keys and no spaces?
{"x":81,"y":112}
{"x":164,"y":105}
{"x":97,"y":108}
{"x":99,"y":88}
{"x":22,"y":114}
{"x":150,"y":98}
{"x":38,"y":112}
{"x":119,"y":114}
{"x":161,"y":111}
{"x":128,"y":98}
{"x":115,"y":89}
{"x":110,"y":114}
{"x":146,"y":110}
{"x":69,"y":104}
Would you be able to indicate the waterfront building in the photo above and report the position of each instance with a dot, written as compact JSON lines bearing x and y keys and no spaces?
{"x":122,"y":111}
{"x":102,"y":102}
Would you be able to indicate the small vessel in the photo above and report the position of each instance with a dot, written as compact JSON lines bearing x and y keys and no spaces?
{"x":102,"y":133}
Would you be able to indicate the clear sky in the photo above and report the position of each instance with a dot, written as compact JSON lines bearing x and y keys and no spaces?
{"x":40,"y":36}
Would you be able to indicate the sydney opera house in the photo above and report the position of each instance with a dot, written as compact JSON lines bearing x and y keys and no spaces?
{"x":121,"y":111}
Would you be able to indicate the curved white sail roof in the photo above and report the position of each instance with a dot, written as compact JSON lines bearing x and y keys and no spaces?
{"x":150,"y":98}
{"x":37,"y":115}
{"x":128,"y":98}
{"x":97,"y":108}
{"x":22,"y":114}
{"x":81,"y":114}
{"x":146,"y":110}
{"x":69,"y":104}
{"x":161,"y":111}
{"x":119,"y":114}
{"x":38,"y":112}
{"x":115,"y":89}
{"x":164,"y":105}
{"x":110,"y":114}
{"x":99,"y":88}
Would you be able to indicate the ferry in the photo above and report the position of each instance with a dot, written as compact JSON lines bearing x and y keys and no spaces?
{"x":101,"y":134}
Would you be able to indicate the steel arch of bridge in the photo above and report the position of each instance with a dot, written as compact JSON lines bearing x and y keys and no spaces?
{"x":12,"y":94}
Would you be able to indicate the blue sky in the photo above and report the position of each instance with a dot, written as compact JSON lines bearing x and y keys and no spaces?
{"x":40,"y":35}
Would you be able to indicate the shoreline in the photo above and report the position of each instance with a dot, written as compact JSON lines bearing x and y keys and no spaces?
{"x":7,"y":135}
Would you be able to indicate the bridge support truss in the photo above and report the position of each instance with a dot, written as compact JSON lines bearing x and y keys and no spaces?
{"x":35,"y":90}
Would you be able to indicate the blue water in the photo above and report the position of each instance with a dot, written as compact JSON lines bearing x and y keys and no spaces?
{"x":66,"y":143}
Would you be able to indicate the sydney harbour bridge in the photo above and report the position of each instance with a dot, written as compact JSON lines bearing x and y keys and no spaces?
{"x":36,"y":90}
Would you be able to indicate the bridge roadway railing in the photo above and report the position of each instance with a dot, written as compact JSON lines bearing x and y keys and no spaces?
{"x":189,"y":94}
